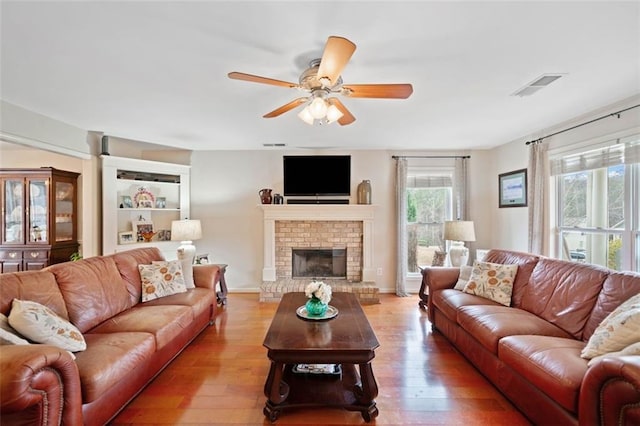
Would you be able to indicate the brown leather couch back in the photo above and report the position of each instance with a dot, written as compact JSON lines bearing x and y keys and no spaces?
{"x":38,"y":286}
{"x":617,"y":288}
{"x":93,"y":290}
{"x":525,"y":261}
{"x":127,"y":263}
{"x":564,"y":293}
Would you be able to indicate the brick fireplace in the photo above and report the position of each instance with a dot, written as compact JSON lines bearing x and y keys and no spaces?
{"x":288,"y":228}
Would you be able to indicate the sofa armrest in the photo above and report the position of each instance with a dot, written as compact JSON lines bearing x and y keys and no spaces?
{"x":610,"y":392}
{"x":436,"y":278}
{"x":40,"y":384}
{"x":206,"y":275}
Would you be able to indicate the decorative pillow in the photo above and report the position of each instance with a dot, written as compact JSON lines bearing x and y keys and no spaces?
{"x":438,"y":258}
{"x":492,"y":281}
{"x":633,"y":349}
{"x":161,"y":280}
{"x":617,"y":331}
{"x":187,"y":283}
{"x":465,"y":274}
{"x":8,"y":335}
{"x":40,"y":324}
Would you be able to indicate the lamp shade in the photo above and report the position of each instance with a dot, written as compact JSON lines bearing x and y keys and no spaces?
{"x":186,"y":230}
{"x":459,"y":230}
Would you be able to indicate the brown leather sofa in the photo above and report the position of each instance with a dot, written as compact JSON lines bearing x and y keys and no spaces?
{"x":128,"y":342}
{"x":531,"y":350}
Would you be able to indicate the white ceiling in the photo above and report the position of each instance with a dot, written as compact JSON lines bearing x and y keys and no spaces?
{"x":156,"y":71}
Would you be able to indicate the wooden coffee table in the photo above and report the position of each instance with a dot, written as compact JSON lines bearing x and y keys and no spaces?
{"x":346,"y":340}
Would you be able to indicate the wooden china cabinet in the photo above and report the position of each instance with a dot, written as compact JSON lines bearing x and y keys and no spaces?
{"x":39,"y":218}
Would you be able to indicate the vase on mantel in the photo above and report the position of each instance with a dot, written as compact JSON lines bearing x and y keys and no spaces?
{"x":364,"y":192}
{"x":315,"y":307}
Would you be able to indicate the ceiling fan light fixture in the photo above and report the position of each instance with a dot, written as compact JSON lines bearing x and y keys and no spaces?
{"x":318,"y":108}
{"x":305,"y":115}
{"x":333,"y":114}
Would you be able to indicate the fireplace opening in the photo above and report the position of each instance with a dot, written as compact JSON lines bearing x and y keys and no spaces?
{"x":319,"y":263}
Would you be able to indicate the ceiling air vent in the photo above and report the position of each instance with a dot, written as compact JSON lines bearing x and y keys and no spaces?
{"x":539,"y":83}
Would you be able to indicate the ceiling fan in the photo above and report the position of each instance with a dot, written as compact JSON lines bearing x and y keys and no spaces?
{"x":322,"y":81}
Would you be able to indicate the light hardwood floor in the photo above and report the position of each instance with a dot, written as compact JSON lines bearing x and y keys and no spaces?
{"x":219,"y":378}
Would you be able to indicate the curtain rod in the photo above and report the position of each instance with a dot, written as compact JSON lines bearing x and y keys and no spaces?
{"x":613,"y":114}
{"x":395,"y":157}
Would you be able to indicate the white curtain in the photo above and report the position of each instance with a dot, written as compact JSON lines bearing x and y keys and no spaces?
{"x":537,"y":194}
{"x":401,"y":226}
{"x":460,"y":188}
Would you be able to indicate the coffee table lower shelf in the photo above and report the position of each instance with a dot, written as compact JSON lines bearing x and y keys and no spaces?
{"x":300,"y":390}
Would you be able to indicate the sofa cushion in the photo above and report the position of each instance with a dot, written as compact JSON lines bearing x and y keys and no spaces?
{"x":492,"y":281}
{"x":92,"y":290}
{"x":525,"y":261}
{"x":552,"y":364}
{"x":127,"y":263}
{"x":617,"y":288}
{"x":488,"y":324}
{"x":38,"y":286}
{"x":165,"y":322}
{"x":199,"y":299}
{"x":564,"y":293}
{"x":40,"y":324}
{"x":161,"y":279}
{"x":448,"y":301}
{"x":109,"y":359}
{"x":618,"y":330}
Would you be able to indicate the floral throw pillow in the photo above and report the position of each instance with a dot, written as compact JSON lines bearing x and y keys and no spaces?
{"x":492,"y":281}
{"x":40,"y":324}
{"x":617,"y":331}
{"x":160,"y":280}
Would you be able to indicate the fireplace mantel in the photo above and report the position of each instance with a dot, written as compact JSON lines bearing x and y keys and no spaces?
{"x":318,"y":212}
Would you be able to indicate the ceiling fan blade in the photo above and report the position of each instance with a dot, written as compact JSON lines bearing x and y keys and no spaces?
{"x":337,"y":53}
{"x":257,"y":79}
{"x":347,"y":117}
{"x":398,"y":91}
{"x":286,"y":107}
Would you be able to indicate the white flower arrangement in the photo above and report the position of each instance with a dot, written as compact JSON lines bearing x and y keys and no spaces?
{"x":319,"y":290}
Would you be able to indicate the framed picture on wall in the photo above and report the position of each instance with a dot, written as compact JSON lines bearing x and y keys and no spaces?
{"x":512,"y":189}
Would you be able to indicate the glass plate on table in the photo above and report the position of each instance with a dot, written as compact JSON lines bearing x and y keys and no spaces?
{"x":332,"y":312}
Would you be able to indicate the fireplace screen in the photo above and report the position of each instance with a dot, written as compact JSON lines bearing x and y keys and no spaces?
{"x":319,"y":263}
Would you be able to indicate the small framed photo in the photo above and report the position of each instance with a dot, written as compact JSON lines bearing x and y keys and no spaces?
{"x":126,"y":237}
{"x":164,"y":235}
{"x":126,"y":203}
{"x":512,"y":189}
{"x":141,"y":228}
{"x":161,"y":203}
{"x":202,"y":259}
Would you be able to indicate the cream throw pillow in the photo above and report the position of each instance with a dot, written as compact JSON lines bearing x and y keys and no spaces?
{"x":40,"y":324}
{"x":162,"y":279}
{"x":492,"y":281}
{"x":633,"y":349}
{"x":465,"y":274}
{"x":617,"y":331}
{"x":8,"y":335}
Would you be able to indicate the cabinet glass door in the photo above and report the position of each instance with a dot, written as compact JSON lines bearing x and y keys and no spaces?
{"x":13,"y":208}
{"x":38,"y":211}
{"x":64,"y":211}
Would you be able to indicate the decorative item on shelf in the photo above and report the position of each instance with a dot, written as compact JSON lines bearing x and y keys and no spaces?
{"x":186,"y":231}
{"x":319,"y":295}
{"x":126,"y":237}
{"x":142,"y":226}
{"x":161,"y":203}
{"x":148,"y":236}
{"x":278,"y":199}
{"x":164,"y":235}
{"x":364,"y":192}
{"x":126,"y":202}
{"x":144,"y":199}
{"x":458,"y":232}
{"x":265,"y":195}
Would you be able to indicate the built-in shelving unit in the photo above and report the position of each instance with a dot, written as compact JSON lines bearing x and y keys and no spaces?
{"x":142,"y":194}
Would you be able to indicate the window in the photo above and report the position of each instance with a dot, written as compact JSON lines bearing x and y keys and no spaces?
{"x":429,"y":205}
{"x":598,"y":205}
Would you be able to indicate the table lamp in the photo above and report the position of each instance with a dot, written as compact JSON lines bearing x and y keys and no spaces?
{"x":458,"y":232}
{"x":186,"y":231}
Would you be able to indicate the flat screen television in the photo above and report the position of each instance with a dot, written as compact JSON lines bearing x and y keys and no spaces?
{"x":306,"y":175}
